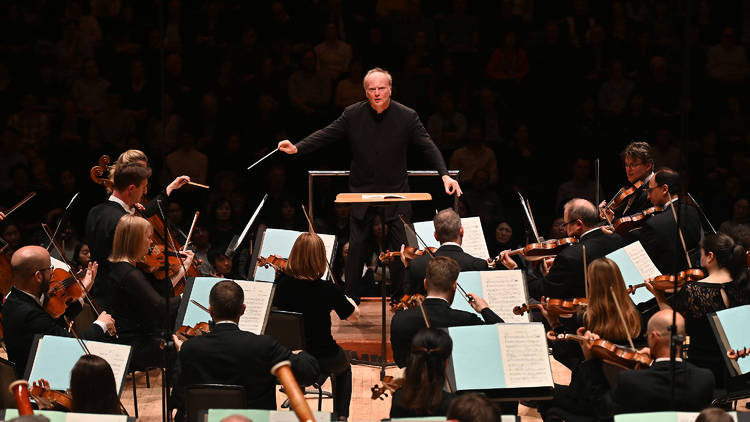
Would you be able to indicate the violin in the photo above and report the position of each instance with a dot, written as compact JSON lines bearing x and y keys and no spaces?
{"x":534,"y":251}
{"x":63,"y":289}
{"x":47,"y":398}
{"x":410,"y":252}
{"x":559,"y":307}
{"x":275,"y":261}
{"x":609,"y":352}
{"x":390,"y":384}
{"x":629,"y":223}
{"x":739,"y":353}
{"x":198,"y":329}
{"x":407,"y":302}
{"x":666,"y":282}
{"x":623,"y":195}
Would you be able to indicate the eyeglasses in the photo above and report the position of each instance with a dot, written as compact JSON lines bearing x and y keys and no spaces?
{"x":568,"y":222}
{"x":631,"y":165}
{"x":51,"y":268}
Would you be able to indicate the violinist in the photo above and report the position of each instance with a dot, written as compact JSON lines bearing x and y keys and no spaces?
{"x":24,"y":315}
{"x":639,"y":167}
{"x":93,"y":388}
{"x":659,"y":235}
{"x":563,"y":276}
{"x":301,"y":289}
{"x":646,"y":390}
{"x":136,"y":300}
{"x":450,"y":234}
{"x":724,"y":287}
{"x":440,"y":284}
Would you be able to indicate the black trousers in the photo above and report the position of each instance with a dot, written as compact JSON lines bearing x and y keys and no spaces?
{"x":360,"y":236}
{"x":341,"y":380}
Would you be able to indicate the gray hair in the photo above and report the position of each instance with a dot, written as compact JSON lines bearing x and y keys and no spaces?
{"x":447,"y":225}
{"x":377,"y":70}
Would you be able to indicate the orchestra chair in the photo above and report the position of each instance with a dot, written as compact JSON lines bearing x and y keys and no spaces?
{"x":7,"y":376}
{"x":288,"y":328}
{"x":201,"y":397}
{"x":132,"y":371}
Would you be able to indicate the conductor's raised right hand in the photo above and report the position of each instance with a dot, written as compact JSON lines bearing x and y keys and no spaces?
{"x":287,"y":147}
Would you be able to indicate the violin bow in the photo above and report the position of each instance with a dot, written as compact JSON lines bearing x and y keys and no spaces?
{"x":171,"y":241}
{"x":622,"y":317}
{"x":62,"y":218}
{"x":23,"y":201}
{"x":196,"y":303}
{"x":233,"y":245}
{"x":703,"y":214}
{"x":585,"y":272}
{"x":679,"y":230}
{"x":190,"y":233}
{"x":529,"y":218}
{"x":312,"y":230}
{"x":596,"y":180}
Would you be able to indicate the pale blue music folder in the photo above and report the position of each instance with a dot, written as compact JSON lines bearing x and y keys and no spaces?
{"x":476,"y":356}
{"x":201,"y":288}
{"x":630,"y":275}
{"x":471,"y":281}
{"x":734,"y":323}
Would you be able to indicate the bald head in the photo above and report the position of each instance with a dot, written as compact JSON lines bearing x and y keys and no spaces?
{"x":236,"y":418}
{"x":25,"y":262}
{"x":662,"y":320}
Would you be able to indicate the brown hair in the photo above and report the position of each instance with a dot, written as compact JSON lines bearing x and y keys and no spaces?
{"x":130,"y":234}
{"x":472,"y":407}
{"x":130,"y":174}
{"x":226,"y":299}
{"x":127,"y":157}
{"x":441,"y":273}
{"x":639,"y":150}
{"x":92,"y":386}
{"x":601,"y":313}
{"x":425,"y":373}
{"x":307,"y":260}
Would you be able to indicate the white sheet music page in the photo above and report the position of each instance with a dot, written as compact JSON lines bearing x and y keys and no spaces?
{"x":525,"y":358}
{"x":328,"y":241}
{"x":473,"y":242}
{"x":641,"y":260}
{"x":257,"y":298}
{"x":115,"y":354}
{"x":504,"y":289}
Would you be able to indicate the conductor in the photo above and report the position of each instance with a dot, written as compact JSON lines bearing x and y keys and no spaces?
{"x":379,"y":131}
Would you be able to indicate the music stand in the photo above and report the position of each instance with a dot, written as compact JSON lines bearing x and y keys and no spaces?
{"x":381,"y":200}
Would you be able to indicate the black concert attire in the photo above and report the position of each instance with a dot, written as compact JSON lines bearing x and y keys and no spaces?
{"x":138,"y":303}
{"x":566,"y":278}
{"x":415,"y":272}
{"x":228,"y":355}
{"x":24,"y":317}
{"x":662,"y":243}
{"x":100,"y":232}
{"x":398,"y":411}
{"x":406,"y":324}
{"x":694,"y":301}
{"x":637,"y":202}
{"x":315,"y":300}
{"x":378,"y":145}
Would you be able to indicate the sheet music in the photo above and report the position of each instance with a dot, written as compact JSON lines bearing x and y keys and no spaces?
{"x":641,"y":260}
{"x":280,"y":242}
{"x":503,"y":290}
{"x":257,"y":296}
{"x":473,"y":242}
{"x":114,"y":354}
{"x":635,"y":266}
{"x":382,"y":196}
{"x":524,"y":351}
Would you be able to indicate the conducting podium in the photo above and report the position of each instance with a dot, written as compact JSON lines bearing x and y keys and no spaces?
{"x":381,"y":200}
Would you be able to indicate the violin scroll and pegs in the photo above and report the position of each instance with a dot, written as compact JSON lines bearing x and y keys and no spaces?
{"x":520,"y":310}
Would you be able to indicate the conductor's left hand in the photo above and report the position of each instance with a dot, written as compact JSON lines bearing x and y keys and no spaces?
{"x":451,"y":186}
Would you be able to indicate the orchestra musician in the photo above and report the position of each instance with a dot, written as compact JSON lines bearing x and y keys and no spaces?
{"x":136,"y":299}
{"x":93,"y":388}
{"x":440,"y":284}
{"x":379,"y":131}
{"x":564,"y":276}
{"x":450,"y":234}
{"x":23,"y":312}
{"x":228,"y":355}
{"x":659,"y":235}
{"x":301,"y":289}
{"x":639,"y":167}
{"x":724,"y":287}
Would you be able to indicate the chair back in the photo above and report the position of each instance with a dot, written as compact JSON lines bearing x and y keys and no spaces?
{"x":288,"y":328}
{"x":7,"y":376}
{"x":201,"y":397}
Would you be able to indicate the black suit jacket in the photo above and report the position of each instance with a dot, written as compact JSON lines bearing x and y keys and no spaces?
{"x":228,"y":355}
{"x":566,"y":278}
{"x":379,"y":145}
{"x":23,"y":318}
{"x":415,"y":272}
{"x":100,"y":231}
{"x":636,"y":203}
{"x":405,"y":324}
{"x":660,"y":239}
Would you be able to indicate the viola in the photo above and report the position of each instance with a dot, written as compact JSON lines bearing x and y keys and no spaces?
{"x":63,"y":289}
{"x":666,"y":282}
{"x":607,"y":351}
{"x":629,"y":223}
{"x":407,"y":302}
{"x":275,"y":261}
{"x":390,"y":384}
{"x":534,"y":251}
{"x":410,"y":252}
{"x":197,"y":330}
{"x":47,"y":398}
{"x":559,"y":307}
{"x":623,"y":195}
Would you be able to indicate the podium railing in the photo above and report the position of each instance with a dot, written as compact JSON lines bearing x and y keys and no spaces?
{"x":312,"y":174}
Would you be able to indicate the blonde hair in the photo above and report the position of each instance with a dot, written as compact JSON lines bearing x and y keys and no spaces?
{"x":130,"y":233}
{"x":307,"y":260}
{"x":601,"y":313}
{"x":377,"y":70}
{"x":127,"y":157}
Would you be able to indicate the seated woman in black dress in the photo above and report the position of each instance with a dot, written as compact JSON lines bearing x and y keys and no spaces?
{"x":142,"y":304}
{"x":93,"y":388}
{"x":301,"y":289}
{"x":724,"y":287}
{"x":422,"y":393}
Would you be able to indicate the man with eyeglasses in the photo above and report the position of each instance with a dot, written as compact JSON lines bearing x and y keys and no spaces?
{"x":23,"y":311}
{"x":639,"y":166}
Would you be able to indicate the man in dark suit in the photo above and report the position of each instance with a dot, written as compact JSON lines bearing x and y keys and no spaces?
{"x":450,"y":234}
{"x":228,"y":355}
{"x":639,"y":167}
{"x":379,"y":131}
{"x":23,"y":314}
{"x":440,"y":283}
{"x":564,"y":276}
{"x":659,"y":235}
{"x":649,"y":390}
